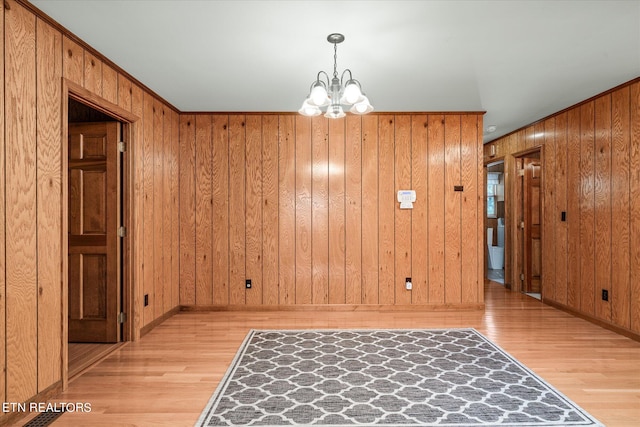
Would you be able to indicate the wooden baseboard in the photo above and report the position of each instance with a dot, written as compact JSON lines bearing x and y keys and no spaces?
{"x":12,"y":417}
{"x":334,"y":307}
{"x":610,"y":326}
{"x":147,"y":328}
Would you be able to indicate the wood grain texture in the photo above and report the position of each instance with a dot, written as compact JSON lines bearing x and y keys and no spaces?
{"x":204,"y":207}
{"x":125,"y":92}
{"x":187,"y":209}
{"x":92,"y":73}
{"x":253,"y":197}
{"x":471,"y":279}
{"x":370,"y":214}
{"x":166,"y":215}
{"x":157,"y":290}
{"x":270,"y":243}
{"x":386,"y":210}
{"x":287,"y":239}
{"x":3,"y":287}
{"x":353,"y":210}
{"x":561,"y":229}
{"x":620,"y":208}
{"x":49,"y":191}
{"x":137,"y":108}
{"x":303,"y":199}
{"x":220,"y":125}
{"x":175,"y":210}
{"x":602,"y":205}
{"x":436,"y":208}
{"x":72,"y":61}
{"x":237,"y":209}
{"x":420,"y":213}
{"x":634,"y":218}
{"x":21,"y":204}
{"x":319,"y":210}
{"x":587,"y":213}
{"x":573,"y":209}
{"x":452,"y":211}
{"x":148,"y":208}
{"x":548,"y":196}
{"x":109,"y":84}
{"x":337,"y":211}
{"x":402,"y":219}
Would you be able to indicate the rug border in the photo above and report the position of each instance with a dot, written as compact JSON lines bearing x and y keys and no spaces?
{"x":222,"y":385}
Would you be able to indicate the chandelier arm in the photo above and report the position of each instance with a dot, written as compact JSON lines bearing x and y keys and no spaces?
{"x":321,"y":81}
{"x":350,"y":77}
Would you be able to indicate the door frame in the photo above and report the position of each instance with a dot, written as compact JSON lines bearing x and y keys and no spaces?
{"x":129,"y":121}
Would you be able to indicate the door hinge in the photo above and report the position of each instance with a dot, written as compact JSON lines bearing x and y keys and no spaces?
{"x":122,"y":146}
{"x":520,"y":172}
{"x":122,"y":317}
{"x":122,"y":231}
{"x":522,"y":224}
{"x":522,"y":276}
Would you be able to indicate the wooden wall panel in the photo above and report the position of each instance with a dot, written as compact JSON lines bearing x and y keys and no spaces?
{"x":204,"y":207}
{"x":237,"y":230}
{"x":165,"y":215}
{"x":72,"y":61}
{"x":92,"y":73}
{"x":3,"y":359}
{"x":452,"y":212}
{"x":253,"y":218}
{"x":319,"y":210}
{"x":175,"y":210}
{"x":620,"y":205}
{"x":157,"y":289}
{"x":49,"y":192}
{"x":386,"y":210}
{"x":187,"y":209}
{"x":587,"y":217}
{"x":220,"y":209}
{"x":548,"y":201}
{"x":402,"y":219}
{"x":270,"y":244}
{"x":148,"y":207}
{"x":353,"y":210}
{"x":370,"y":214}
{"x":420,"y":213}
{"x":109,"y":84}
{"x":470,"y":250}
{"x":573,"y":209}
{"x":137,"y":108}
{"x":602,"y":207}
{"x":337,"y":219}
{"x":287,"y":238}
{"x":124,"y":91}
{"x":303,"y":238}
{"x":561,"y":230}
{"x":634,"y":217}
{"x":436,"y":208}
{"x":21,"y":188}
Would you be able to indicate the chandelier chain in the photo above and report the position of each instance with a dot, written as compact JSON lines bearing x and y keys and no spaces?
{"x":335,"y":60}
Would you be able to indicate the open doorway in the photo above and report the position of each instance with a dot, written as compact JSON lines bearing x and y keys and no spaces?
{"x":495,"y":222}
{"x":97,"y":283}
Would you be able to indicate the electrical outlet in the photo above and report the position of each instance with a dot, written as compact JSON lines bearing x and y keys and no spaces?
{"x":408,"y":284}
{"x":605,"y":295}
{"x":247,"y":284}
{"x":146,"y":300}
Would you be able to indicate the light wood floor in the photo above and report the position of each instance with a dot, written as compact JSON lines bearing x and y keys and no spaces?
{"x":168,"y":376}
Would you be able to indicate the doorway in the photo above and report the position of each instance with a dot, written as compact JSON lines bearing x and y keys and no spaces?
{"x":529,"y":227}
{"x":495,"y":250}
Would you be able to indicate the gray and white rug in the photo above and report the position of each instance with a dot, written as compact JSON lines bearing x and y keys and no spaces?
{"x":452,"y":377}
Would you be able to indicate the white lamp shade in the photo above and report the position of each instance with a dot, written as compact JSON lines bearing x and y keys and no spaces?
{"x":352,"y":93}
{"x":334,"y":112}
{"x":362,"y":107}
{"x":309,"y":110}
{"x":318,"y":96}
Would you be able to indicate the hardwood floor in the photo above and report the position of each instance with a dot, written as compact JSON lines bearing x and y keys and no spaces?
{"x":168,"y":376}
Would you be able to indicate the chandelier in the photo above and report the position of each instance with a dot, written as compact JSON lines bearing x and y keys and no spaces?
{"x":335,"y":92}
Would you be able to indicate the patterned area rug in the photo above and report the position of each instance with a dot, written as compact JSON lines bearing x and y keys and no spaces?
{"x":453,"y":377}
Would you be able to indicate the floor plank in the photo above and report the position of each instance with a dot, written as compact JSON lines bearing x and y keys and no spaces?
{"x":168,"y":376}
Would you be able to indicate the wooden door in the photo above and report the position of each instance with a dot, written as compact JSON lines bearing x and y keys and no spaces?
{"x":94,"y":283}
{"x":532,"y":216}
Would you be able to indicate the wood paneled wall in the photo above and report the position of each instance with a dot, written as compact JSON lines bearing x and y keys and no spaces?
{"x":306,"y":209}
{"x":591,"y":161}
{"x":35,"y":57}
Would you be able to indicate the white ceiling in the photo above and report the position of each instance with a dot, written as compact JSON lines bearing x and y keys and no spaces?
{"x":517,"y":60}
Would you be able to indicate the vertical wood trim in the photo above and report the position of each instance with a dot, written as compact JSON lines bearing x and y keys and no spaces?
{"x":204,"y":202}
{"x":353,"y":211}
{"x":72,"y":61}
{"x":187,"y":209}
{"x":155,"y":297}
{"x":620,"y":208}
{"x":452,"y":211}
{"x":548,"y":201}
{"x":337,"y":212}
{"x":21,"y":233}
{"x":237,"y":209}
{"x":402,"y":219}
{"x":166,"y":214}
{"x":561,"y":227}
{"x":587,"y":201}
{"x":303,"y":239}
{"x":287,"y":237}
{"x":436,"y":208}
{"x":370,"y":210}
{"x":420,"y":213}
{"x":3,"y":287}
{"x":319,"y":229}
{"x":573,"y":208}
{"x":602,"y":207}
{"x":634,"y":237}
{"x":470,"y":289}
{"x":253,"y":166}
{"x":270,"y":207}
{"x":49,"y":173}
{"x":386,"y":210}
{"x":221,"y":209}
{"x":137,"y":108}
